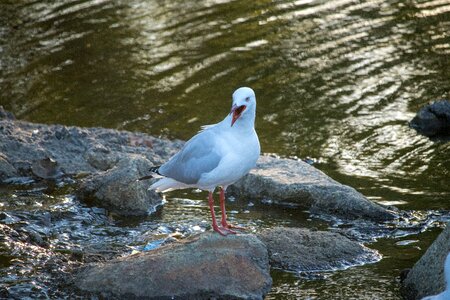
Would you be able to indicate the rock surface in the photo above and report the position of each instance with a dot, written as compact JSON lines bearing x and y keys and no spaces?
{"x":75,"y":150}
{"x":427,"y":276}
{"x":208,"y":266}
{"x":295,"y":182}
{"x":433,"y":119}
{"x":118,"y":190}
{"x":303,"y":250}
{"x":113,"y":159}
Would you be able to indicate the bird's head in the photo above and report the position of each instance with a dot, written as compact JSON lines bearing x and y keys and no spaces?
{"x":244,"y":101}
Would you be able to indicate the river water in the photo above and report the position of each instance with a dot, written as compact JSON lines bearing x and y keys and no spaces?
{"x":336,"y":82}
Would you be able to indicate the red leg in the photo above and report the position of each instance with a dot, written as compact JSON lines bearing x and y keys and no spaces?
{"x":224,"y":213}
{"x":213,"y":215}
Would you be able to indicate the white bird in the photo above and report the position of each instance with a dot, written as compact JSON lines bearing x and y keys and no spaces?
{"x":445,"y":295}
{"x":217,"y":156}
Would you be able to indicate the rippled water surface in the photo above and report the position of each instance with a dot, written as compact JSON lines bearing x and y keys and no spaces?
{"x":336,"y":81}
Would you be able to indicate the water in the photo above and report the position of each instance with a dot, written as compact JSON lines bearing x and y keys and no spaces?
{"x":336,"y":81}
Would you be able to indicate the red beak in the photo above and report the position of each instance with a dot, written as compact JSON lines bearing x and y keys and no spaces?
{"x":237,"y":111}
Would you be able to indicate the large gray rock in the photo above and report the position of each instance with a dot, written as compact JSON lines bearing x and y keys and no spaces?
{"x":118,"y":190}
{"x":208,"y":266}
{"x":433,"y":119}
{"x":292,"y":181}
{"x":75,"y":150}
{"x":300,"y":249}
{"x":427,"y":276}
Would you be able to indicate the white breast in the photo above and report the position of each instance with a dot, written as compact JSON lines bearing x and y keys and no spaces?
{"x":240,"y":151}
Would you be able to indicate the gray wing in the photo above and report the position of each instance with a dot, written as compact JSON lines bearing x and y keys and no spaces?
{"x":197,"y":157}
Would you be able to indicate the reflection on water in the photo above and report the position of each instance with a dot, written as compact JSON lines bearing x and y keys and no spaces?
{"x":335,"y":80}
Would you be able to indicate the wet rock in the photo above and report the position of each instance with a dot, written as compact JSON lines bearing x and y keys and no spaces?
{"x":208,"y":266}
{"x":296,"y":182}
{"x":433,"y":119}
{"x":303,"y":250}
{"x":36,"y":238}
{"x":427,"y":276}
{"x":118,"y":189}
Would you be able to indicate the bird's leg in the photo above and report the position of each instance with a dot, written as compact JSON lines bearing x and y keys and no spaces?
{"x":224,"y":213}
{"x":224,"y":223}
{"x":213,"y":215}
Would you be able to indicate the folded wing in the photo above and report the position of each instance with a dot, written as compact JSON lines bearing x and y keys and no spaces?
{"x":198,"y":156}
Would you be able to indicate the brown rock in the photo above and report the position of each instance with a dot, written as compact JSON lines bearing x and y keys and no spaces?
{"x":208,"y":266}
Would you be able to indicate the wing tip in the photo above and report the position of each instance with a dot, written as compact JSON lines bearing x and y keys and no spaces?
{"x":155,"y":169}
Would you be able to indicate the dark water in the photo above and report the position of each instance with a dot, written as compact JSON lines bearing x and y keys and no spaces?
{"x":336,"y":81}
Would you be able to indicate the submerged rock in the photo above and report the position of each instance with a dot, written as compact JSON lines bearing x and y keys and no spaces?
{"x":296,"y":182}
{"x":118,"y":190}
{"x":303,"y":250}
{"x":433,"y":119}
{"x":208,"y":266}
{"x":427,"y":276}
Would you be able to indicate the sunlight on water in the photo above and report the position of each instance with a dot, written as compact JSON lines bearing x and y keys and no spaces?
{"x":336,"y":81}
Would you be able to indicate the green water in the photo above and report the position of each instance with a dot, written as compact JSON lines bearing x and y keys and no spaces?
{"x":336,"y":81}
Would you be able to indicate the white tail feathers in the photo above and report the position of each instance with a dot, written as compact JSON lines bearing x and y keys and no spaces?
{"x":167,"y":184}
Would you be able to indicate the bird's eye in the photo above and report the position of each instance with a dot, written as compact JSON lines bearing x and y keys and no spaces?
{"x":247,"y":99}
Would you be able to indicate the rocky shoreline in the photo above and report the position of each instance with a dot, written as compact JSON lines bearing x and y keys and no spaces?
{"x":103,"y":165}
{"x":106,"y":164}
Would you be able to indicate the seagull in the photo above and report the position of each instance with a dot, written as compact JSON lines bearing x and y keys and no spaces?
{"x":219,"y":155}
{"x":445,"y":295}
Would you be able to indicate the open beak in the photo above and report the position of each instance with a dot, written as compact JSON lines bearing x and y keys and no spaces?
{"x":236,"y":111}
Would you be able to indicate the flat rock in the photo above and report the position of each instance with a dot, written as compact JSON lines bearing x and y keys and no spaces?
{"x":427,"y":276}
{"x":208,"y":266}
{"x":433,"y":119}
{"x":296,"y":182}
{"x":304,"y":250}
{"x":118,"y":190}
{"x":75,"y":150}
